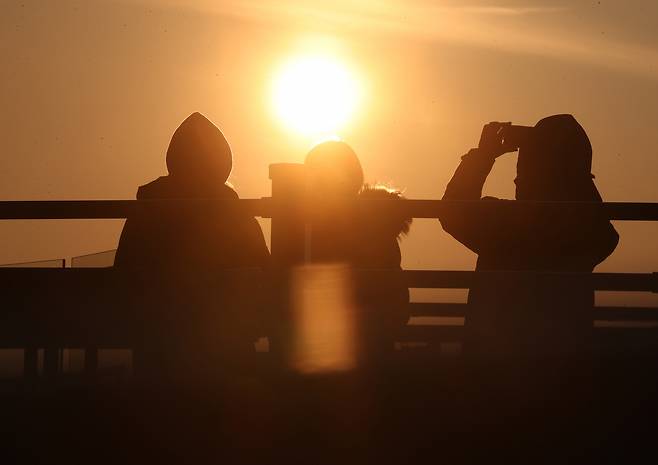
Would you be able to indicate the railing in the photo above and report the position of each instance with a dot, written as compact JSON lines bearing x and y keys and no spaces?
{"x":91,"y":307}
{"x":92,"y":317}
{"x":267,"y":206}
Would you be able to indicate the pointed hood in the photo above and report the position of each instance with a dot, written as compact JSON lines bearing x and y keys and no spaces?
{"x":199,"y":151}
{"x":558,"y":144}
{"x":556,"y":162}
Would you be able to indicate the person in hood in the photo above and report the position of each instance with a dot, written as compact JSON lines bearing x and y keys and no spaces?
{"x":358,"y":239}
{"x":178,"y":250}
{"x":508,"y":319}
{"x":199,"y":162}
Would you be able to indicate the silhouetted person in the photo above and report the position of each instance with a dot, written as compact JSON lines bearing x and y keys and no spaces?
{"x":199,"y":161}
{"x":359,"y":239}
{"x":178,"y":250}
{"x":509,"y":320}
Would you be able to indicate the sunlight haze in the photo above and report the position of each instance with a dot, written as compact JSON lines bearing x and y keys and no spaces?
{"x":315,"y":95}
{"x":92,"y":92}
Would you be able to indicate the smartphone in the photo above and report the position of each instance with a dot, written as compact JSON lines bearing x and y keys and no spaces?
{"x":515,"y":136}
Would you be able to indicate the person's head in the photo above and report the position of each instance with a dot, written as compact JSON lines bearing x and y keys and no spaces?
{"x":199,"y":153}
{"x":555,"y":161}
{"x":333,"y":167}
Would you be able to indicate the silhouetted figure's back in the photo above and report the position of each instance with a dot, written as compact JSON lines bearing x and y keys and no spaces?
{"x":533,"y":319}
{"x":199,"y":162}
{"x":358,"y":239}
{"x":178,"y":250}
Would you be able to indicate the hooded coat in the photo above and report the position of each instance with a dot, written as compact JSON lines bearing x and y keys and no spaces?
{"x":175,"y":253}
{"x":199,"y":162}
{"x":366,"y":242}
{"x":361,"y":240}
{"x":507,"y":319}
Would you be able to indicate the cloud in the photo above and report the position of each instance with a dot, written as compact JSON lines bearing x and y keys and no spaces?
{"x":510,"y":11}
{"x":534,"y":30}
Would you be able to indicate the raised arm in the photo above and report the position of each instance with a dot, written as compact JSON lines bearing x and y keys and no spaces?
{"x":475,"y":232}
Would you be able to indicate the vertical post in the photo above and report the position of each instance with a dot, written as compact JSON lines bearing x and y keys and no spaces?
{"x":30,"y":363}
{"x":91,"y":361}
{"x":51,"y":362}
{"x":288,"y":239}
{"x":288,"y":226}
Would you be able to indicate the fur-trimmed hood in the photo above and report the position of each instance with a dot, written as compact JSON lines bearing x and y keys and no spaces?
{"x":396,"y":226}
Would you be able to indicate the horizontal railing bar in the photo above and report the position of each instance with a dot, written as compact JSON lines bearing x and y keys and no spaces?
{"x":447,"y":310}
{"x":622,"y":211}
{"x":455,"y":333}
{"x":419,"y":333}
{"x":266,"y":207}
{"x":636,"y":282}
{"x":435,"y":279}
{"x":121,"y":338}
{"x":119,"y":209}
{"x":626,"y":313}
{"x":437,"y":309}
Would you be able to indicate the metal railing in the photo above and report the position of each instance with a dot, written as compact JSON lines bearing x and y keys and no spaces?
{"x":27,"y":323}
{"x":267,"y":206}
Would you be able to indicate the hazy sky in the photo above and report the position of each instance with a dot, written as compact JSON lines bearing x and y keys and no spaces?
{"x":91,"y":91}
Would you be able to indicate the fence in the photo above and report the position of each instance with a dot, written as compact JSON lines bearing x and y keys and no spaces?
{"x":89,"y":312}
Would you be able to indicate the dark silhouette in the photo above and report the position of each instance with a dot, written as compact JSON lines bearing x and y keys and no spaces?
{"x":360,"y":239}
{"x":554,"y":164}
{"x":176,"y":252}
{"x":199,"y":161}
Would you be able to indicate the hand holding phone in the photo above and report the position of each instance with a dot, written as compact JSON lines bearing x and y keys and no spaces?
{"x":500,"y":138}
{"x":515,"y":136}
{"x":491,"y":139}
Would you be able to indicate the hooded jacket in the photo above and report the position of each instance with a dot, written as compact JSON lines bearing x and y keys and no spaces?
{"x":367,"y":241}
{"x":199,"y":162}
{"x":507,"y":319}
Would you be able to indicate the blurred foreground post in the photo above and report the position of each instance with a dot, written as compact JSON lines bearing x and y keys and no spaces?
{"x":31,"y":363}
{"x":323,"y":319}
{"x":288,"y":225}
{"x":288,"y":243}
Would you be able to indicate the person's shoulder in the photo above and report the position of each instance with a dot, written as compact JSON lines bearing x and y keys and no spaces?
{"x":158,"y":188}
{"x":227,"y":191}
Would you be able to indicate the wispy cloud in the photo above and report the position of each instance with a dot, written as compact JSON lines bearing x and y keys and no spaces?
{"x":533,"y":30}
{"x":510,"y":11}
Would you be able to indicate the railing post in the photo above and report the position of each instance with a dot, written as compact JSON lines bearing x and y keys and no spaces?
{"x":51,"y":366}
{"x":288,"y":227}
{"x":30,"y":363}
{"x":288,"y":242}
{"x":91,"y":361}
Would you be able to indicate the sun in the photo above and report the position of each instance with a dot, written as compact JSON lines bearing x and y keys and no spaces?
{"x":315,"y":95}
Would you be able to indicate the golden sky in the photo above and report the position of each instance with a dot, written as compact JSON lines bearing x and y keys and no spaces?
{"x":91,"y":92}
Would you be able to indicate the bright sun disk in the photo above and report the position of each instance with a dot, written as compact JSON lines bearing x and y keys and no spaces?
{"x":315,"y":95}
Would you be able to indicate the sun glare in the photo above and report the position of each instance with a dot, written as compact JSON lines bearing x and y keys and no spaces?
{"x":315,"y":95}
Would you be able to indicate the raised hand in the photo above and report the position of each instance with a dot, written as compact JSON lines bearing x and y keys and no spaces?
{"x":492,"y":143}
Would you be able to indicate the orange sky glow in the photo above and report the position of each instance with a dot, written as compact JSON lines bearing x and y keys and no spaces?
{"x":92,"y":92}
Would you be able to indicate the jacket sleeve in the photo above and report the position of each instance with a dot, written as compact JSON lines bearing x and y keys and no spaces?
{"x":567,"y":241}
{"x":582,"y":240}
{"x":255,"y":240}
{"x":475,"y":232}
{"x":578,"y":242}
{"x":137,"y":243}
{"x":605,"y":243}
{"x":128,"y":251}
